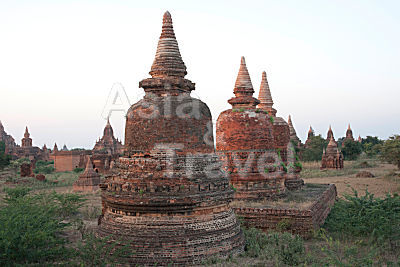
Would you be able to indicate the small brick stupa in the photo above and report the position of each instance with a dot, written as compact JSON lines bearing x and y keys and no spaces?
{"x":281,"y":136}
{"x":332,"y":158}
{"x":246,"y":144}
{"x":293,"y":135}
{"x":168,"y":197}
{"x":281,"y":128}
{"x":89,"y":180}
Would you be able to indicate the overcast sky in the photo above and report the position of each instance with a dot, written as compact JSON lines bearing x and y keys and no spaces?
{"x":327,"y":62}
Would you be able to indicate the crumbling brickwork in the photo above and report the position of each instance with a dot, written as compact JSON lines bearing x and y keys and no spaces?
{"x":297,"y":221}
{"x":253,"y":143}
{"x":27,"y":170}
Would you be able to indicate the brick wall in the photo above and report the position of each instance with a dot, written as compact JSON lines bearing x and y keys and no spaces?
{"x":301,"y":222}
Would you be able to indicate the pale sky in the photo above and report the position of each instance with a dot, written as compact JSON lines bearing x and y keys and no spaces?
{"x":327,"y":62}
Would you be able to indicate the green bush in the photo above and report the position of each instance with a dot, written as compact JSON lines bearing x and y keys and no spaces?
{"x":44,"y":167}
{"x":95,"y":251}
{"x":390,"y":150}
{"x":366,"y":216}
{"x":31,"y":227}
{"x":351,"y":149}
{"x":78,"y":170}
{"x":280,"y":247}
{"x":313,"y":150}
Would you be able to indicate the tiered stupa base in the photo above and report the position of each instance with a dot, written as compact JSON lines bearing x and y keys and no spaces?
{"x":179,"y":216}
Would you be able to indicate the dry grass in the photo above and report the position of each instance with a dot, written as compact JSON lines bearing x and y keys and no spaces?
{"x":386,"y":178}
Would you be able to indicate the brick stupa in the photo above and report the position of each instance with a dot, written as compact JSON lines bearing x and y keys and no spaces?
{"x":89,"y":180}
{"x":281,"y":132}
{"x":293,"y":135}
{"x":332,"y":158}
{"x":246,"y":144}
{"x":167,"y":196}
{"x":281,"y":128}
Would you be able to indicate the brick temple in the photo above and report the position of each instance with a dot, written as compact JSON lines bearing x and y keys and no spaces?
{"x":332,"y":157}
{"x":106,"y":150}
{"x":310,"y":134}
{"x":27,"y":150}
{"x":349,"y":134}
{"x":168,"y":196}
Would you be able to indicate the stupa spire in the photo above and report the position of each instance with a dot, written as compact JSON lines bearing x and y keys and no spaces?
{"x":243,"y":89}
{"x":265,"y":97}
{"x":26,"y":134}
{"x":290,"y":121}
{"x":168,"y":60}
{"x":243,"y":85}
{"x":265,"y":93}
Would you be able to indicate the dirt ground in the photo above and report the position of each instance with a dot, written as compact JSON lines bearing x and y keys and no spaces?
{"x":386,"y":180}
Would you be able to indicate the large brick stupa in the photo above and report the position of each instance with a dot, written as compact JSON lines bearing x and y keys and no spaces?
{"x":168,"y":197}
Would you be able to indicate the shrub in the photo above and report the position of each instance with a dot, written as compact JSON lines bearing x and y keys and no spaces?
{"x":45,"y":167}
{"x":31,"y":226}
{"x":95,"y":251}
{"x":351,"y":149}
{"x":78,"y":170}
{"x":4,"y":159}
{"x":366,"y":216}
{"x":281,"y":247}
{"x":313,"y":151}
{"x":390,"y":150}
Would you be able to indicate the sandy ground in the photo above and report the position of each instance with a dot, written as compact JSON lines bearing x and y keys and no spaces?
{"x":380,"y":185}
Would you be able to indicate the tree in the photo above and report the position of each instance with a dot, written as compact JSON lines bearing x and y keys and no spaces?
{"x":390,"y":151}
{"x":4,"y":159}
{"x":351,"y":149}
{"x":313,"y":150}
{"x":371,"y":145}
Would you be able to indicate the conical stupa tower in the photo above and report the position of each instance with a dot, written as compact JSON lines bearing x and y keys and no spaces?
{"x":281,"y":128}
{"x":293,"y":135}
{"x":265,"y":97}
{"x":245,"y":132}
{"x":89,"y":180}
{"x":281,"y":132}
{"x":168,"y":196}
